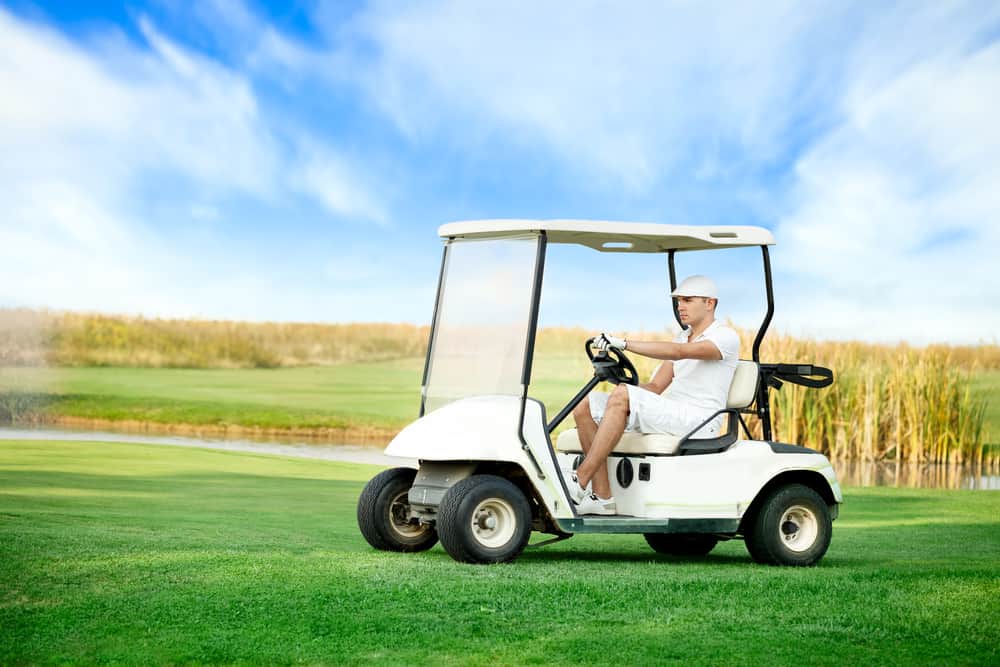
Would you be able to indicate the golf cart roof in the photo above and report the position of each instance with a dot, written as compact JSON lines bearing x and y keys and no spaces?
{"x":614,"y":236}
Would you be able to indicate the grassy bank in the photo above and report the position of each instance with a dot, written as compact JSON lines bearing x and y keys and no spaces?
{"x":152,"y":555}
{"x":350,"y":400}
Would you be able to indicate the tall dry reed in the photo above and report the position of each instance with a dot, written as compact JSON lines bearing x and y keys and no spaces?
{"x":888,"y":402}
{"x":75,"y":339}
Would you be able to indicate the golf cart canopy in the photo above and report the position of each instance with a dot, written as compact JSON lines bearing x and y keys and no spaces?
{"x":614,"y":236}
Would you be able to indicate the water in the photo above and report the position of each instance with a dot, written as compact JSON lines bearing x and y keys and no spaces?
{"x":902,"y":475}
{"x":918,"y":475}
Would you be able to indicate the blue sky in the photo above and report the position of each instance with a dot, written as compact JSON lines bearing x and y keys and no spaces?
{"x":292,"y":161}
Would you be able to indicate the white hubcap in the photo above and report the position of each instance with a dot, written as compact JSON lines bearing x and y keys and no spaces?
{"x":493,"y":522}
{"x":399,"y":519}
{"x":799,"y":528}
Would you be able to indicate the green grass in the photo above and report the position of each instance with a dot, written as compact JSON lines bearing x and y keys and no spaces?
{"x":383,"y":394}
{"x":355,"y":395}
{"x":130,"y":554}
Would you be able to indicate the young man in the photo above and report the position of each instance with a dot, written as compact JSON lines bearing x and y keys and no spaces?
{"x":691,"y":383}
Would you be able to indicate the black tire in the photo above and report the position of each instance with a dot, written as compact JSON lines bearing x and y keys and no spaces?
{"x":484,"y":519}
{"x":691,"y":545}
{"x":382,"y":511}
{"x":791,"y":527}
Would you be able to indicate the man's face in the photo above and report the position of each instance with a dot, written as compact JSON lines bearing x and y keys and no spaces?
{"x":693,"y":309}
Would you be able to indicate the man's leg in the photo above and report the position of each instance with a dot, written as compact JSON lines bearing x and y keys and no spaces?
{"x":586,"y":429}
{"x":609,"y":432}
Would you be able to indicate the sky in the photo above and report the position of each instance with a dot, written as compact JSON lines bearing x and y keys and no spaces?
{"x":292,"y":161}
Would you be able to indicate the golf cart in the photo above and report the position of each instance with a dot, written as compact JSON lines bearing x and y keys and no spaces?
{"x":489,"y":472}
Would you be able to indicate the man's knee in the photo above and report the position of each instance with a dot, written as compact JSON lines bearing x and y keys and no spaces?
{"x":582,"y":410}
{"x":619,"y":399}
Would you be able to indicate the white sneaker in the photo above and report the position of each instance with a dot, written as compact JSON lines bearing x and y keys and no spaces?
{"x":577,"y":492}
{"x":594,"y":504}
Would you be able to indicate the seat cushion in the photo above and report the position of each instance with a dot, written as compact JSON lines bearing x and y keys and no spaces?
{"x":744,"y":387}
{"x":631,"y":443}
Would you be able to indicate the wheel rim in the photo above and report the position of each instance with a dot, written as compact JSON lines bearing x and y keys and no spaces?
{"x":399,"y":517}
{"x":798,"y":528}
{"x":493,"y":522}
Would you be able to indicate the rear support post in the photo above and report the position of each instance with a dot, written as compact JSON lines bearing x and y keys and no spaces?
{"x":763,"y":400}
{"x":672,"y":270}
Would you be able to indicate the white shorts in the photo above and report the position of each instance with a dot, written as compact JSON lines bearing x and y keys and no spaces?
{"x":651,"y":413}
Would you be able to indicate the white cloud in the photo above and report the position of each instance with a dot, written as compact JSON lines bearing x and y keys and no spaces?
{"x":887,"y":113}
{"x":336,"y":185}
{"x":625,"y":92}
{"x":90,"y":134}
{"x":896,"y":222}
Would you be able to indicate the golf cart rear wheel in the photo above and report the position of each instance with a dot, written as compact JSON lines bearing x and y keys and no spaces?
{"x":682,"y":544}
{"x":791,"y":527}
{"x":384,"y":514}
{"x":484,"y":519}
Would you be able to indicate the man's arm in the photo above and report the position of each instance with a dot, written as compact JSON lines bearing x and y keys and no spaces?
{"x":704,"y":349}
{"x":661,"y":379}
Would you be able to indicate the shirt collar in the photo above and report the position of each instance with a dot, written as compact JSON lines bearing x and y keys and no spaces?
{"x":702,"y":334}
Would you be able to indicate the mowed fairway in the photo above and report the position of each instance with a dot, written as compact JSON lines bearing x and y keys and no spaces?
{"x":384,"y":394}
{"x":349,"y":397}
{"x":139,"y":554}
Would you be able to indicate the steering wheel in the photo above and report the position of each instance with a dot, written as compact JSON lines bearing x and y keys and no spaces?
{"x":611,"y":365}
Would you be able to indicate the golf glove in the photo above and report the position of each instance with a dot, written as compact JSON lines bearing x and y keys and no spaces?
{"x":604,"y":341}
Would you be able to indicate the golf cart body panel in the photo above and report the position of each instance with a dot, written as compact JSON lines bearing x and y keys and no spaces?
{"x":485,"y":429}
{"x":706,"y":486}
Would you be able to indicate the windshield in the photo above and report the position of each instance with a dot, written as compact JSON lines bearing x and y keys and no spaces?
{"x":483,"y":314}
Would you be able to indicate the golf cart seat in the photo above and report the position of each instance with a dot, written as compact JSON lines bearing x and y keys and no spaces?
{"x":741,"y":394}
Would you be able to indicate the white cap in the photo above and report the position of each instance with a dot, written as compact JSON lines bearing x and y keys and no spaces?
{"x":697,"y":286}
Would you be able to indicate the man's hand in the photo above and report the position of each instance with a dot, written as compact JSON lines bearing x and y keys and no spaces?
{"x":604,"y":341}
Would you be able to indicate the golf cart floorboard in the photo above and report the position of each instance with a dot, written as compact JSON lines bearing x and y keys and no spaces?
{"x":630,"y":524}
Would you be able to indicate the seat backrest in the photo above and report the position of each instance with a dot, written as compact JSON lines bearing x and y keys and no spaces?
{"x":744,"y":387}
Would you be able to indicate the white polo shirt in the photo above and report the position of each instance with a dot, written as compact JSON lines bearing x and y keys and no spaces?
{"x":699,"y":388}
{"x":704,"y":385}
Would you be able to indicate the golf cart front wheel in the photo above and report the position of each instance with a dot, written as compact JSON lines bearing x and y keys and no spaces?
{"x":384,"y":513}
{"x":682,"y":544}
{"x":791,"y":527}
{"x":484,"y":519}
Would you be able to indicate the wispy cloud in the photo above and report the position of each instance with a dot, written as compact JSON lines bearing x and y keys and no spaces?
{"x":866,"y":132}
{"x":896,"y":214}
{"x":93,"y":135}
{"x":632,"y":92}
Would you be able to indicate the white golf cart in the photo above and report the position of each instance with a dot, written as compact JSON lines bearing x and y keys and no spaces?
{"x":489,"y":472}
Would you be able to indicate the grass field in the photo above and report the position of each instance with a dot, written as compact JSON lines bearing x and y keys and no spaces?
{"x":131,"y":554}
{"x":354,"y":398}
{"x":354,"y":401}
{"x":351,"y":397}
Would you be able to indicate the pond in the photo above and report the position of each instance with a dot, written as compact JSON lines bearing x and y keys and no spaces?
{"x":850,"y":473}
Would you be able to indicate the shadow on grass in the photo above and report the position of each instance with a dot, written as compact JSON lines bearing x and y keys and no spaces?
{"x":612,"y":556}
